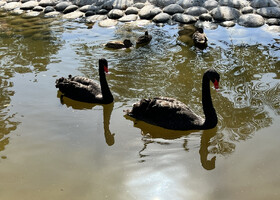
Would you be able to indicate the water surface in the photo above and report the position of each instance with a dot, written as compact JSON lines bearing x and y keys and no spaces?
{"x":63,"y":149}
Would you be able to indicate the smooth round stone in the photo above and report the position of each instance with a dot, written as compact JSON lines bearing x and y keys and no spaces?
{"x":183,"y":18}
{"x":102,"y":12}
{"x":227,"y":23}
{"x":95,"y":18}
{"x":52,"y":14}
{"x":263,"y":3}
{"x":162,"y":3}
{"x":161,"y":18}
{"x":247,"y":10}
{"x":145,"y":12}
{"x":138,"y":5}
{"x":45,"y":3}
{"x":275,"y":29}
{"x":11,"y":6}
{"x":89,"y":13}
{"x":131,"y":10}
{"x":108,"y":23}
{"x":16,"y":12}
{"x":172,"y":9}
{"x":62,"y":5}
{"x":251,"y":20}
{"x":31,"y":14}
{"x":210,"y":4}
{"x":273,"y":21}
{"x":88,"y":8}
{"x":49,"y":9}
{"x":196,"y":10}
{"x":115,"y":14}
{"x":38,"y":8}
{"x":269,"y":12}
{"x":128,"y":18}
{"x":234,"y":3}
{"x":73,"y":15}
{"x":205,"y":17}
{"x":224,"y":13}
{"x":70,"y":9}
{"x":29,"y":5}
{"x":190,"y":3}
{"x":122,"y":4}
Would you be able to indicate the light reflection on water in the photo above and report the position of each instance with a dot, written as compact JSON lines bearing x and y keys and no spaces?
{"x":146,"y":160}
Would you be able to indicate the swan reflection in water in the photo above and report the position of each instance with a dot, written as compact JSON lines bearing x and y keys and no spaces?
{"x":107,"y":111}
{"x":151,"y":132}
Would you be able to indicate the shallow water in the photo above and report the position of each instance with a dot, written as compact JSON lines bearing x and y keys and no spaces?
{"x":63,"y":149}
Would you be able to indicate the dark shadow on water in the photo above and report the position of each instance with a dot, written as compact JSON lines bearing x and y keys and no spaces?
{"x":151,"y":132}
{"x":107,"y":112}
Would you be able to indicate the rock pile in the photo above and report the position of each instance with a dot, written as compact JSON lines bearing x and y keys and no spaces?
{"x":249,"y":13}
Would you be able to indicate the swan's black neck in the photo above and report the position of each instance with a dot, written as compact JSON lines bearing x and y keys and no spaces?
{"x":105,"y":90}
{"x":211,"y":119}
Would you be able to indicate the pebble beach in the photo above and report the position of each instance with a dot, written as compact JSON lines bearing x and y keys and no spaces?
{"x":202,"y":13}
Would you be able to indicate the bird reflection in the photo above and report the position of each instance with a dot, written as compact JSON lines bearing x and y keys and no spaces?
{"x":107,"y":111}
{"x":203,"y":151}
{"x":151,"y":132}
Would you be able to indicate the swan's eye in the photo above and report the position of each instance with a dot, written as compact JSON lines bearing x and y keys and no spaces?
{"x":216,"y":84}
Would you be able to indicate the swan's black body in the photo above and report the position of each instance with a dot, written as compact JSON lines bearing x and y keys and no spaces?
{"x":199,"y":38}
{"x":86,"y":90}
{"x":144,"y":39}
{"x":170,"y":113}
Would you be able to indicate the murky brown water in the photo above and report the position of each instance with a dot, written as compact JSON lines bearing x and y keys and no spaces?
{"x":69,"y":150}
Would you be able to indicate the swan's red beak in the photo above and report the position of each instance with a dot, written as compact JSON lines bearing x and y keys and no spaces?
{"x":216,"y":84}
{"x":106,"y":69}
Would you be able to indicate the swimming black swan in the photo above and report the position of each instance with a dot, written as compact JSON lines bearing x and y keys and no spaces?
{"x":172,"y":114}
{"x":144,"y":39}
{"x":199,"y":38}
{"x":119,"y":44}
{"x":86,"y":90}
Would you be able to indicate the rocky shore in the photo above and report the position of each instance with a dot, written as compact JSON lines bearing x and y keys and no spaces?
{"x":205,"y":13}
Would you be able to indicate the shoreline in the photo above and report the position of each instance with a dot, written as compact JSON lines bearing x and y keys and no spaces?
{"x":203,"y":13}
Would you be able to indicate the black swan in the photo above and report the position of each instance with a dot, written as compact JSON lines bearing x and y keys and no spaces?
{"x":86,"y":90}
{"x":144,"y":39}
{"x":172,"y":114}
{"x":119,"y":44}
{"x":199,"y":38}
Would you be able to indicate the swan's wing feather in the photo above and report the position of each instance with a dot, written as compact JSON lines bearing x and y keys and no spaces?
{"x":77,"y":89}
{"x":166,"y":112}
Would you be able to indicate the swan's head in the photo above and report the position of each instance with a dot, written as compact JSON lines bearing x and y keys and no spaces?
{"x":127,"y":43}
{"x":214,"y":76}
{"x":103,"y":65}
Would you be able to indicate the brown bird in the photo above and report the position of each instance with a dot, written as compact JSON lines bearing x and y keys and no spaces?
{"x":119,"y":44}
{"x":199,"y":38}
{"x":144,"y":39}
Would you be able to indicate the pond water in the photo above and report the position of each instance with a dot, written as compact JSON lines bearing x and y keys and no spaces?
{"x":63,"y":149}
